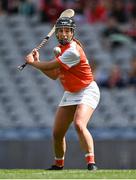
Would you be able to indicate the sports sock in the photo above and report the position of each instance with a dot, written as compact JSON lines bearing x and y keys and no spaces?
{"x":89,"y":158}
{"x":59,"y":161}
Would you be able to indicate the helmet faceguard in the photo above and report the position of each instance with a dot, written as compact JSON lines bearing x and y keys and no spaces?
{"x":62,"y":23}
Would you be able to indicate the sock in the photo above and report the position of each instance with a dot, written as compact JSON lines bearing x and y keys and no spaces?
{"x":59,"y":161}
{"x":89,"y":158}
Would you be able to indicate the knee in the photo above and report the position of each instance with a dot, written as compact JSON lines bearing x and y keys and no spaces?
{"x":79,"y":126}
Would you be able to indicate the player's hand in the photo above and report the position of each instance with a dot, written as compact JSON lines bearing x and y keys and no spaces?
{"x":29,"y":58}
{"x":35,"y":55}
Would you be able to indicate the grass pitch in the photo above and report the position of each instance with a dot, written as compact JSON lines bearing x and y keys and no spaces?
{"x":66,"y":174}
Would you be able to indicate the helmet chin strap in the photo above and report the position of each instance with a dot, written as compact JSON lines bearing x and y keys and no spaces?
{"x":64,"y":41}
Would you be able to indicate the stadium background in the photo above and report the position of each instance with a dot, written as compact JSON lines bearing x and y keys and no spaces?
{"x":28,"y":99}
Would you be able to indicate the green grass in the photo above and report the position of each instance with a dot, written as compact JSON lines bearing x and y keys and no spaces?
{"x":66,"y":174}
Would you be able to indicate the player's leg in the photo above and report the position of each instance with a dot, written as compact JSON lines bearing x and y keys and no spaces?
{"x":82,"y":116}
{"x":63,"y":119}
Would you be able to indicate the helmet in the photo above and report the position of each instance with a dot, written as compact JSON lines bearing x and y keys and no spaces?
{"x":65,"y":22}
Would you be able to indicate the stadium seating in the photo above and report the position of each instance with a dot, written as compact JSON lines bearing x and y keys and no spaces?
{"x":28,"y":99}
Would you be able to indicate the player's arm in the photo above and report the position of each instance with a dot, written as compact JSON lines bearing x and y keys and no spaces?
{"x":44,"y":66}
{"x":48,"y":68}
{"x":53,"y":74}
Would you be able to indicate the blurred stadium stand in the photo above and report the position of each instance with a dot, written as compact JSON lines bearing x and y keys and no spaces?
{"x":28,"y":99}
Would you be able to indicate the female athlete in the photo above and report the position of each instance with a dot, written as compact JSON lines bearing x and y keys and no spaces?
{"x":81,"y":95}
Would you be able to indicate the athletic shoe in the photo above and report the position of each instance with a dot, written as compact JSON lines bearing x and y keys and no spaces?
{"x":92,"y":167}
{"x":54,"y":167}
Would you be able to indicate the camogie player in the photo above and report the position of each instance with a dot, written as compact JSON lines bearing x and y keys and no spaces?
{"x":81,"y":95}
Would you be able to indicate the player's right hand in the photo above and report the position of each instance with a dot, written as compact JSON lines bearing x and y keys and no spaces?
{"x":35,"y":55}
{"x":29,"y":58}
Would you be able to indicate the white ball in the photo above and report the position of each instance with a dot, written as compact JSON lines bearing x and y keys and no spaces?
{"x":57,"y":51}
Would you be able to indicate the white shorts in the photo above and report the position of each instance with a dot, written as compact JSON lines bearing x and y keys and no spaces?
{"x":89,"y":95}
